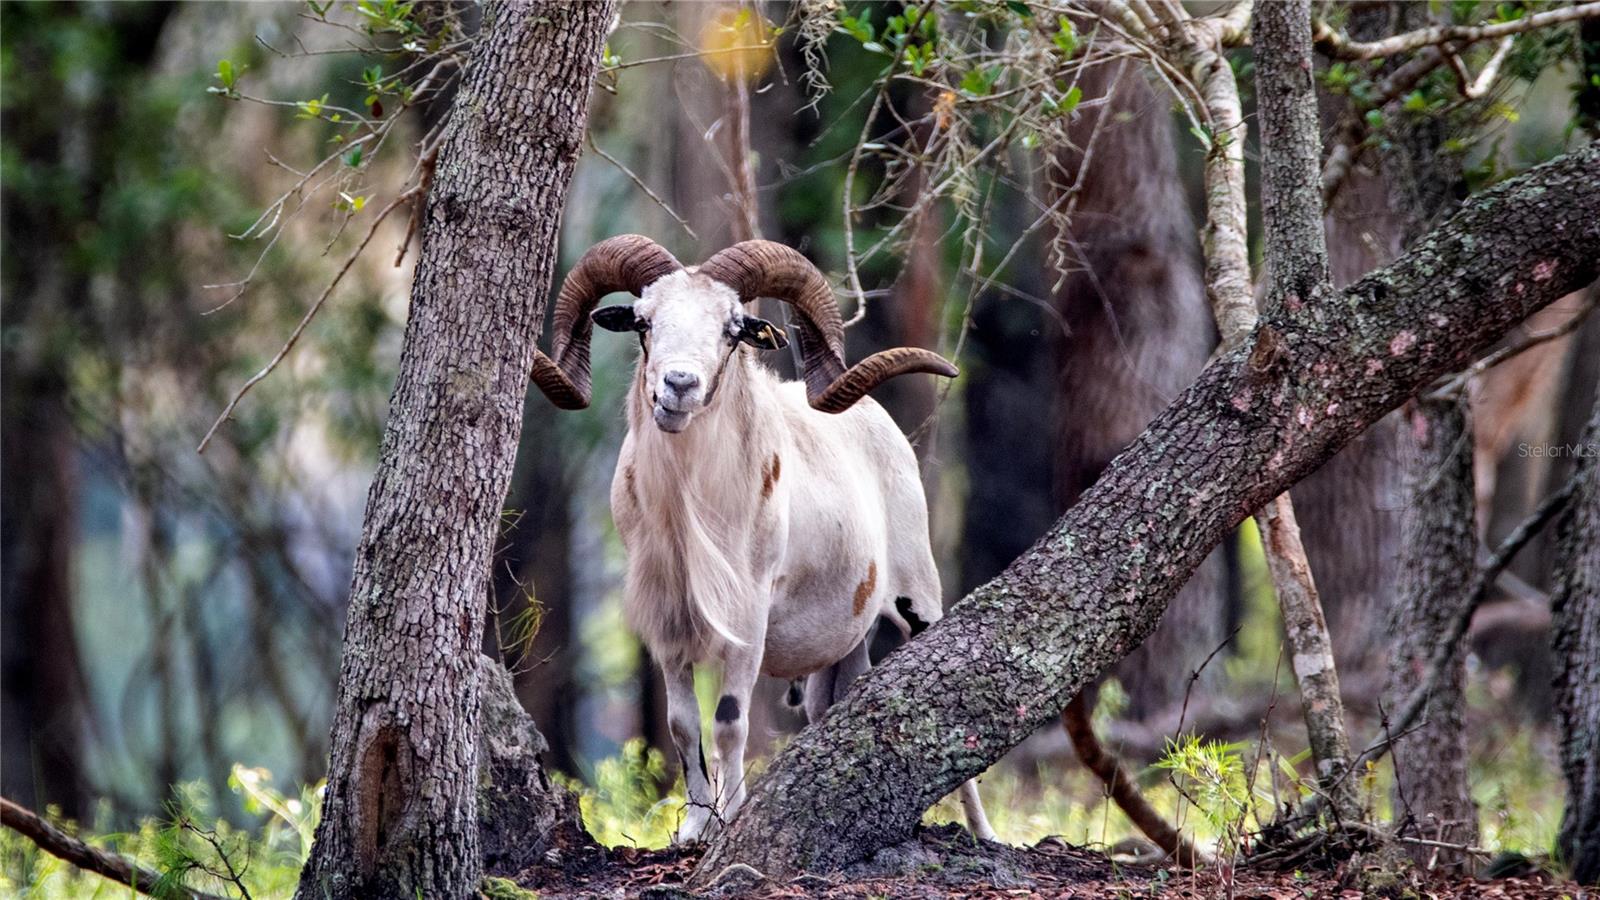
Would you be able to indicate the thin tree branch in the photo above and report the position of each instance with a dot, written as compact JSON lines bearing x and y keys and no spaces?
{"x":299,"y":329}
{"x":1474,"y":88}
{"x":1338,"y":46}
{"x":1445,"y":651}
{"x":1459,"y":380}
{"x":1122,"y":789}
{"x":641,"y":185}
{"x":58,"y":843}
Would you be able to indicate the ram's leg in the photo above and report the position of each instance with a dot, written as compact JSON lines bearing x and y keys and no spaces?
{"x":972,"y":806}
{"x":683,"y":721}
{"x":731,"y":728}
{"x":827,"y":687}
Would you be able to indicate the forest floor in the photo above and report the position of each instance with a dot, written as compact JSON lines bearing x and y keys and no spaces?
{"x":942,"y":861}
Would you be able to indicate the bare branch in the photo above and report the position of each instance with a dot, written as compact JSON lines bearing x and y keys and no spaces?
{"x":639,"y":183}
{"x":1459,"y":380}
{"x":305,"y":320}
{"x":1338,"y":46}
{"x":1475,"y":88}
{"x":1445,"y":651}
{"x":1121,"y":788}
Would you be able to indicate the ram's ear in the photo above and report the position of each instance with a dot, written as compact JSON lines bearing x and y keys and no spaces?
{"x":762,"y":335}
{"x":615,"y":318}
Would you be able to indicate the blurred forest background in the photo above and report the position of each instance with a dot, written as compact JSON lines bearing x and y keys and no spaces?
{"x":172,"y":620}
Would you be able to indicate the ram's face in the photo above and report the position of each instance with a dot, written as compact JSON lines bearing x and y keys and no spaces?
{"x":690,"y":327}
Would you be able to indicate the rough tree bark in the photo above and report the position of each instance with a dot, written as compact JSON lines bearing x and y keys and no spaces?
{"x":521,"y":814}
{"x":1575,"y":613}
{"x":1438,"y":564}
{"x":399,"y":819}
{"x":1010,"y":655}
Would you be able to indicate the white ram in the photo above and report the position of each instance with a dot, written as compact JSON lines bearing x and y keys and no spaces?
{"x":768,"y":524}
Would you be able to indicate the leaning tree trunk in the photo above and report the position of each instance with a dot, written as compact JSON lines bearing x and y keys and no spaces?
{"x":399,"y":819}
{"x":1306,"y":380}
{"x":1575,"y":614}
{"x":1432,"y":797}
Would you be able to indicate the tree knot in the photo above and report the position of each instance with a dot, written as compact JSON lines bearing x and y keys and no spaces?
{"x":1267,"y":354}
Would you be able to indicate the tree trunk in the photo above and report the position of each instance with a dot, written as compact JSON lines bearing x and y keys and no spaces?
{"x":532,"y":583}
{"x":44,"y":714}
{"x":1009,"y":656}
{"x":1136,"y":330}
{"x":399,"y":818}
{"x":1575,"y":612}
{"x":1298,"y":278}
{"x":521,"y":815}
{"x":1432,"y":797}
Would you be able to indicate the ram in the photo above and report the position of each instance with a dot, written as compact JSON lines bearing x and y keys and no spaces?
{"x":768,"y":524}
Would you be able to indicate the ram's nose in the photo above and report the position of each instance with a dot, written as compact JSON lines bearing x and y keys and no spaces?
{"x":681,"y":383}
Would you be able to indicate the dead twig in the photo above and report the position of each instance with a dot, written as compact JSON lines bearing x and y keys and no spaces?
{"x":1460,"y":379}
{"x":641,"y":185}
{"x":1335,"y":44}
{"x":299,"y":329}
{"x":1445,"y":653}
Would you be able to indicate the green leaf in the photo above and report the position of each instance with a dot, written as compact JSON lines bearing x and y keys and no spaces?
{"x":859,"y":28}
{"x":1020,"y":8}
{"x":225,"y":73}
{"x":1066,"y":39}
{"x":918,"y":58}
{"x":311,"y":109}
{"x":1070,"y":102}
{"x":353,"y":158}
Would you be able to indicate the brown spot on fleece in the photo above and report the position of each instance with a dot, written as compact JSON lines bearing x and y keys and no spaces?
{"x":769,"y":476}
{"x":865,"y":588}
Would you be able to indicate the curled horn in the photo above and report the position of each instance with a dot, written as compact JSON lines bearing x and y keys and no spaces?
{"x":627,"y":262}
{"x":765,"y":269}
